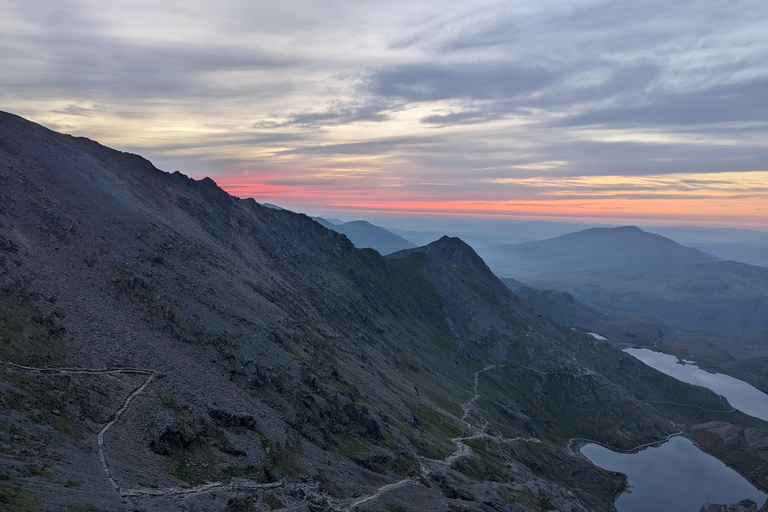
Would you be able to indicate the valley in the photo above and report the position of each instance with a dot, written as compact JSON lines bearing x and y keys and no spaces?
{"x":166,"y":345}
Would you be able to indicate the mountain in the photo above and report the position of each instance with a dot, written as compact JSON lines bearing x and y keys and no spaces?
{"x":645,"y":274}
{"x":454,"y":252}
{"x":722,"y":296}
{"x":615,"y":325}
{"x":592,"y":249}
{"x":167,"y":346}
{"x":364,"y":235}
{"x":750,"y":253}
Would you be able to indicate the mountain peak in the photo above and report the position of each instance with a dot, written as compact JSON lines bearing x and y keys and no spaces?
{"x":451,"y":251}
{"x":594,"y":248}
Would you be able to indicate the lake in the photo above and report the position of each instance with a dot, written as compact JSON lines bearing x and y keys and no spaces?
{"x":739,"y":394}
{"x":677,"y":475}
{"x":674,"y":476}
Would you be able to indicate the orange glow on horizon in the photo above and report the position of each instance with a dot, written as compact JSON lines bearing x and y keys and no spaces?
{"x":601,"y":206}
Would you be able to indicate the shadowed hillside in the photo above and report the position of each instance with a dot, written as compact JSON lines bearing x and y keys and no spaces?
{"x":167,"y":345}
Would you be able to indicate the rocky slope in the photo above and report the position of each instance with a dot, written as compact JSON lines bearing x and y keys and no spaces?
{"x":167,"y":345}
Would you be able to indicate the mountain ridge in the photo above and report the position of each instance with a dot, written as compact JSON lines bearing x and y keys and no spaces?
{"x":593,"y":248}
{"x":451,"y":251}
{"x":276,"y":365}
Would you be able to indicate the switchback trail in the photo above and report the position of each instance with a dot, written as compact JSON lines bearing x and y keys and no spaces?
{"x":151,"y":375}
{"x":462,"y":449}
{"x":310,"y":492}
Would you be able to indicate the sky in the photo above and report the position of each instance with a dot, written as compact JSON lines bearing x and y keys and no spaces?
{"x":585,"y":110}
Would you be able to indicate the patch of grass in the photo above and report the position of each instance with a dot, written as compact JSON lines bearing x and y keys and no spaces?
{"x":438,"y":429}
{"x":44,"y":399}
{"x":195,"y":465}
{"x":526,"y":496}
{"x":444,"y":403}
{"x":15,"y":499}
{"x":279,"y":459}
{"x":273,"y":502}
{"x":349,"y":446}
{"x":481,"y":466}
{"x":170,"y":404}
{"x":240,"y":505}
{"x":35,"y":470}
{"x":24,"y":337}
{"x":481,"y":469}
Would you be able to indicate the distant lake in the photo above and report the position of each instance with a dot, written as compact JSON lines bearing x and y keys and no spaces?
{"x":739,"y":394}
{"x":674,"y":476}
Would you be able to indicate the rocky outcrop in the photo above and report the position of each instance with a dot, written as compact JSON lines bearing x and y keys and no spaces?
{"x":742,"y":506}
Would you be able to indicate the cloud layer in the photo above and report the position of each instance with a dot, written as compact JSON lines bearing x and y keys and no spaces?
{"x":597,"y":108}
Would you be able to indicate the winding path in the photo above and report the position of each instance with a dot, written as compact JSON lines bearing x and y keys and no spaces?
{"x":151,"y":375}
{"x":462,"y":449}
{"x":310,"y":492}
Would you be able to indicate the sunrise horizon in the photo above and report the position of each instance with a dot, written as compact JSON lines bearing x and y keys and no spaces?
{"x":596,"y":111}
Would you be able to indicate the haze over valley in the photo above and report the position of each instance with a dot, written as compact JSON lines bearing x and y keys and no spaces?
{"x":384,"y":256}
{"x":225,"y":354}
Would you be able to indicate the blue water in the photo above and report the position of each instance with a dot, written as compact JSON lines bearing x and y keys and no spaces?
{"x":739,"y":394}
{"x":675,"y":476}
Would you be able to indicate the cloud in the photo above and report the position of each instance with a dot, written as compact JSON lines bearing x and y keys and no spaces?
{"x":361,"y":148}
{"x":727,"y":103}
{"x":481,"y":81}
{"x":337,"y":113}
{"x":464,"y":117}
{"x":83,"y":110}
{"x":415,"y":93}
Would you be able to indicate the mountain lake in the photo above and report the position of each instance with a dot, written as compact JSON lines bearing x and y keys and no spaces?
{"x":739,"y":394}
{"x":674,"y":476}
{"x":677,"y":475}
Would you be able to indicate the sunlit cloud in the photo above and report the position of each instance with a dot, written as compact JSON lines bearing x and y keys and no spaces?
{"x":593,"y":108}
{"x":724,"y":183}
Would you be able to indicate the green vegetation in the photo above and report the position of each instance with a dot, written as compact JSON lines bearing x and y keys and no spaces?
{"x":27,"y":336}
{"x":273,"y":502}
{"x":279,"y":461}
{"x":194,"y":465}
{"x":437,"y":428}
{"x":44,"y":398}
{"x":481,"y":469}
{"x":14,"y":499}
{"x":240,"y":505}
{"x":444,"y":403}
{"x":536,"y":501}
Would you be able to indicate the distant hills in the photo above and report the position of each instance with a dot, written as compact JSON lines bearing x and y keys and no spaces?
{"x":592,"y":249}
{"x":744,"y":245}
{"x":363,"y":235}
{"x":165,"y":345}
{"x":629,"y":269}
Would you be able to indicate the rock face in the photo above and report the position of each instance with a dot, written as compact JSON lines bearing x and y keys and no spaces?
{"x":742,"y":506}
{"x":167,"y":345}
{"x":454,"y":252}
